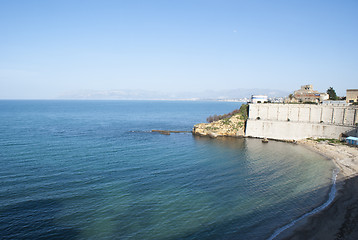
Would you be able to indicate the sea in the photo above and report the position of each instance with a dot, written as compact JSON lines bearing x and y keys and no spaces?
{"x":94,"y":170}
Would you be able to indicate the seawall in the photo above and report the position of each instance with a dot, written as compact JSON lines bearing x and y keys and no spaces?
{"x":299,"y":121}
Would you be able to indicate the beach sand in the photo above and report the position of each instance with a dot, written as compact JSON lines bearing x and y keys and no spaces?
{"x":340,"y":219}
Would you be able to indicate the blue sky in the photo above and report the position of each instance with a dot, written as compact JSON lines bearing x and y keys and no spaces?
{"x":48,"y":48}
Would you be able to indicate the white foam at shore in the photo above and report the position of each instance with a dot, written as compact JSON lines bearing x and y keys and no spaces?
{"x":331,"y":196}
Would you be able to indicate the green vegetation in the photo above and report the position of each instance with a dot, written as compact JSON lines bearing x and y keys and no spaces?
{"x":243,"y":112}
{"x":211,"y":128}
{"x":310,"y":102}
{"x":240,"y":125}
{"x":330,"y":140}
{"x":332,"y":94}
{"x":226,"y":121}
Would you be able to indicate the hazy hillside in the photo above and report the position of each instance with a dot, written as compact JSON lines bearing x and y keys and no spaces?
{"x":157,"y":95}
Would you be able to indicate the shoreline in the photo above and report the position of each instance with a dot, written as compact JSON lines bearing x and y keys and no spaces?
{"x":339,"y":220}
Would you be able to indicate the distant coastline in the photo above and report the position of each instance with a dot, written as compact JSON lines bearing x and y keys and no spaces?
{"x":237,"y":95}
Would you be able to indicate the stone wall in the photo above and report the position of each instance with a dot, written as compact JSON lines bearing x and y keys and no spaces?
{"x":299,"y":121}
{"x":337,"y":115}
{"x":293,"y":130}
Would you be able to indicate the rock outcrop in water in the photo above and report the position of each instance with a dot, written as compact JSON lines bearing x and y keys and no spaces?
{"x":228,"y":127}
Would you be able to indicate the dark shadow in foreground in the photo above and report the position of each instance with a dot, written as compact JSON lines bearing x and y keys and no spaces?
{"x":36,"y":220}
{"x":33,"y":220}
{"x":337,"y":221}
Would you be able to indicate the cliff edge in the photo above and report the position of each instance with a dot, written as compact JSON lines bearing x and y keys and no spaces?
{"x":232,"y":125}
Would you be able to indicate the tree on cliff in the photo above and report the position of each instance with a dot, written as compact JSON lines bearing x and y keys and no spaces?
{"x":332,"y":94}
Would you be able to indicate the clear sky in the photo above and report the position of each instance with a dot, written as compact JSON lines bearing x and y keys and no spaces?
{"x":52,"y":47}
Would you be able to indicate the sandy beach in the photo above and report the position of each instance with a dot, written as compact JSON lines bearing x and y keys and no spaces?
{"x":340,"y":219}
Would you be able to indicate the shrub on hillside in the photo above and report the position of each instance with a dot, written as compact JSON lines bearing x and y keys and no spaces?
{"x":242,"y":111}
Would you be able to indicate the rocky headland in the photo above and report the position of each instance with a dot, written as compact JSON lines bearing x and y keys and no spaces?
{"x":228,"y":125}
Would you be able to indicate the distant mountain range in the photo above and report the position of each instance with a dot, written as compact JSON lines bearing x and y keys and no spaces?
{"x":158,"y":95}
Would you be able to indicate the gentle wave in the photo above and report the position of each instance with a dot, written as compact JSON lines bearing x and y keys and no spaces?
{"x":79,"y":170}
{"x":331,"y":197}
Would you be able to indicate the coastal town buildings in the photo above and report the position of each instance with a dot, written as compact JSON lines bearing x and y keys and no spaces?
{"x":352,"y":95}
{"x":307,"y":94}
{"x":276,"y":100}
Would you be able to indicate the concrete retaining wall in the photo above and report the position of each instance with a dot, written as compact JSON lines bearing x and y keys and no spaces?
{"x":293,"y":130}
{"x":327,"y":114}
{"x":299,"y":121}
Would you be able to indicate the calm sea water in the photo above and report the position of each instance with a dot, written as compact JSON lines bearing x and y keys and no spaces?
{"x":93,"y":170}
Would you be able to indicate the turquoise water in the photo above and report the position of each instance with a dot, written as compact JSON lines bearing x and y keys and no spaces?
{"x":93,"y":170}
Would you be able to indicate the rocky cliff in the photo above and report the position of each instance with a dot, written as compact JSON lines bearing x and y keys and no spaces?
{"x":228,"y":127}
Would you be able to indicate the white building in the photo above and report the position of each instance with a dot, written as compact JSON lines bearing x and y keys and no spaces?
{"x":259,"y":99}
{"x":323,"y":97}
